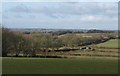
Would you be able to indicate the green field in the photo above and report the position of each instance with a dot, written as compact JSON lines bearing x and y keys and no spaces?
{"x":111,"y":43}
{"x":72,"y":65}
{"x":60,"y":66}
{"x":109,"y":49}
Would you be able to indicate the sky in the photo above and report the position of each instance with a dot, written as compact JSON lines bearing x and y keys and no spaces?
{"x":60,"y":15}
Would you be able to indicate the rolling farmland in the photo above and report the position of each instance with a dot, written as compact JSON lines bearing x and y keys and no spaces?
{"x":59,"y":37}
{"x":72,"y":64}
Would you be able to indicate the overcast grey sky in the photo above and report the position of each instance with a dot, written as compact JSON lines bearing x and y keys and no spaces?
{"x":65,"y":15}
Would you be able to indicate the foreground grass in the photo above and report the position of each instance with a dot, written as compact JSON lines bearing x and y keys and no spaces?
{"x":0,"y":65}
{"x":59,"y":66}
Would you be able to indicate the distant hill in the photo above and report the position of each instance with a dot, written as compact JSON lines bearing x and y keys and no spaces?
{"x":61,"y":31}
{"x":100,"y":31}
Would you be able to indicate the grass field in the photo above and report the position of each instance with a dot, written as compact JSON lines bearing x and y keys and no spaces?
{"x":60,"y":66}
{"x":0,"y":65}
{"x":111,"y":43}
{"x":109,"y":49}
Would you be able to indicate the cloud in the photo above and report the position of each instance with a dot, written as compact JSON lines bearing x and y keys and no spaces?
{"x":5,"y":17}
{"x":105,"y":9}
{"x":91,"y":18}
{"x":18,"y":16}
{"x":69,"y":8}
{"x":60,"y":0}
{"x":20,"y":9}
{"x":92,"y":8}
{"x":68,"y":14}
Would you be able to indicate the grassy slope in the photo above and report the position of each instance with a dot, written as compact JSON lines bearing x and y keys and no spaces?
{"x":111,"y":43}
{"x":59,"y":66}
